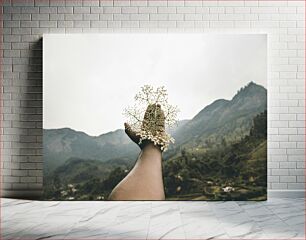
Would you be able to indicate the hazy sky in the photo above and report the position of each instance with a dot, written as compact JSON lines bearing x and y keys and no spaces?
{"x":90,"y":78}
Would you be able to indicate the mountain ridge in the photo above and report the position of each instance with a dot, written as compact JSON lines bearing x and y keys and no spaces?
{"x":221,"y":118}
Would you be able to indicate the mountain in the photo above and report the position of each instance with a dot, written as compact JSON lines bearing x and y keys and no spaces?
{"x":221,"y":119}
{"x":65,"y":143}
{"x":225,"y":140}
{"x":240,"y":166}
{"x":224,"y":118}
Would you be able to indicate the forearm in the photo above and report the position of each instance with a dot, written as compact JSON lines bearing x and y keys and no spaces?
{"x":144,"y":182}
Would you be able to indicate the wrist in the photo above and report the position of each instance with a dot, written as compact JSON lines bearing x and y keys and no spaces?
{"x":150,"y":146}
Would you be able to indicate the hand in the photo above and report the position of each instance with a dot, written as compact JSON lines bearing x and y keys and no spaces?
{"x":154,"y":121}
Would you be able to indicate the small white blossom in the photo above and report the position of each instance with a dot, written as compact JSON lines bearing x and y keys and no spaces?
{"x":228,"y":189}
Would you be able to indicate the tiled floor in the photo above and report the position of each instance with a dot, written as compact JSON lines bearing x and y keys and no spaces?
{"x":273,"y":219}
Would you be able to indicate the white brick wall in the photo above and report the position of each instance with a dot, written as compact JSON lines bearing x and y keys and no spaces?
{"x":24,"y":22}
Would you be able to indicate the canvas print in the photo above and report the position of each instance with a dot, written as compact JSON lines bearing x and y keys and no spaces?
{"x":155,"y":116}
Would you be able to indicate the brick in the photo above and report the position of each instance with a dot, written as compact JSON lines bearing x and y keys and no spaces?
{"x":166,"y":10}
{"x":121,"y":17}
{"x":176,"y":3}
{"x":29,"y":10}
{"x":73,"y":17}
{"x":83,"y":10}
{"x":189,"y":3}
{"x":81,"y":24}
{"x":277,"y":186}
{"x":268,"y":10}
{"x":21,"y":16}
{"x":210,"y":17}
{"x":202,"y":10}
{"x":157,"y":3}
{"x":273,"y":179}
{"x":41,"y":3}
{"x":11,"y":53}
{"x":11,"y":24}
{"x":300,"y":165}
{"x":130,"y":24}
{"x":47,"y":24}
{"x":287,"y":165}
{"x":112,"y":10}
{"x":296,"y":151}
{"x":148,"y":24}
{"x":296,"y":186}
{"x":297,"y":158}
{"x":280,"y":172}
{"x":300,"y":179}
{"x":176,"y":17}
{"x":20,"y":186}
{"x":122,"y":3}
{"x":158,"y":17}
{"x":29,"y":24}
{"x":288,"y":179}
{"x":57,"y":30}
{"x":296,"y":172}
{"x":19,"y":173}
{"x":287,"y":10}
{"x":230,"y":3}
{"x":96,"y":10}
{"x":127,"y":10}
{"x":25,"y":3}
{"x":138,"y":3}
{"x":57,"y":2}
{"x":193,"y":17}
{"x":185,"y":9}
{"x":230,"y":17}
{"x":91,"y":3}
{"x":98,"y":24}
{"x":139,"y":17}
{"x":62,"y":10}
{"x":242,"y":9}
{"x":147,"y":9}
{"x":27,"y":179}
{"x":265,"y":24}
{"x":21,"y":31}
{"x":91,"y":17}
{"x":11,"y":9}
{"x":6,"y":185}
{"x":10,"y":179}
{"x":222,"y":24}
{"x":118,"y":25}
{"x":273,"y":165}
{"x":167,"y":24}
{"x":6,"y":172}
{"x":48,"y":10}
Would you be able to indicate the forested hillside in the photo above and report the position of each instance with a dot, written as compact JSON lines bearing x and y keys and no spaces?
{"x":221,"y":153}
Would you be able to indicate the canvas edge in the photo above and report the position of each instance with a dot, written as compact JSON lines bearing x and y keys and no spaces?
{"x":22,"y":194}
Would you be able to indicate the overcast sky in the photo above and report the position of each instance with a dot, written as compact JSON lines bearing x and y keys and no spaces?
{"x":90,"y":78}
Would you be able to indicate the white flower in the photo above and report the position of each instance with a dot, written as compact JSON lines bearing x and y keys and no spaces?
{"x":228,"y":189}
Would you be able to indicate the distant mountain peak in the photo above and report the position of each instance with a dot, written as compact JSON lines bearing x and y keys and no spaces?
{"x":249,"y":90}
{"x":225,"y":115}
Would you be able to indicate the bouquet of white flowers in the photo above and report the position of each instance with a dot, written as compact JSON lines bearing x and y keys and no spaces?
{"x":152,"y":115}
